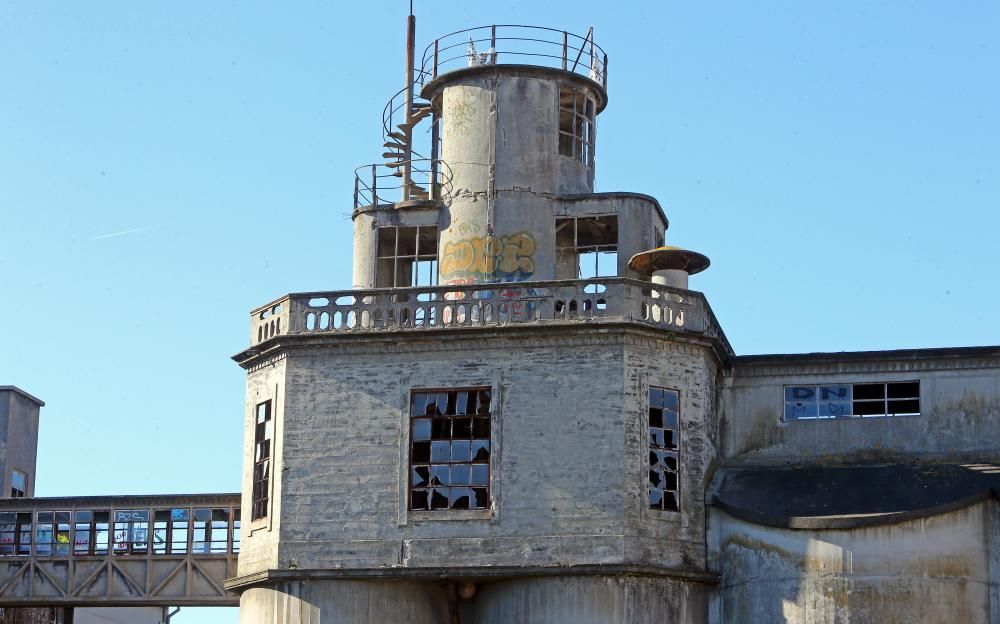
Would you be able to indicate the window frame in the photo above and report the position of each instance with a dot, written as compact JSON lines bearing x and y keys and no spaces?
{"x":580,"y":132}
{"x":834,"y":408}
{"x":650,"y":448}
{"x":580,"y":251}
{"x":263,"y":464}
{"x":415,"y":259}
{"x":427,"y":459}
{"x":15,"y":492}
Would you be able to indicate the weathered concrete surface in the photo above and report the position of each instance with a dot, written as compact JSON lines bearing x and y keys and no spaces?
{"x":19,"y":413}
{"x":959,"y":404}
{"x":930,"y":570}
{"x":587,"y":600}
{"x":568,"y":472}
{"x":345,"y":602}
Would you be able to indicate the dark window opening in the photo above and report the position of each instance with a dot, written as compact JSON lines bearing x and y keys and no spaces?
{"x":450,"y":449}
{"x":18,"y":484}
{"x":664,"y":449}
{"x":263,"y":431}
{"x":811,"y":402}
{"x":406,"y":257}
{"x":587,"y":247}
{"x":576,"y":125}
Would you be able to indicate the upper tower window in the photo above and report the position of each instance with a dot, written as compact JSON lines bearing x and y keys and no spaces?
{"x":18,"y":484}
{"x":587,"y":247}
{"x":407,"y":256}
{"x":450,"y":449}
{"x":576,"y":125}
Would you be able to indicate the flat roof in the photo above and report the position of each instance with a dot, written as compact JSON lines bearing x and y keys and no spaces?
{"x":17,"y":390}
{"x":891,"y":354}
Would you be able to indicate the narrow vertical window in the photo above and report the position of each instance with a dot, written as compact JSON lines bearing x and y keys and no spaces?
{"x":664,"y":430}
{"x":92,"y":528}
{"x":18,"y":484}
{"x":450,"y":449}
{"x":576,"y":125}
{"x":261,"y":460}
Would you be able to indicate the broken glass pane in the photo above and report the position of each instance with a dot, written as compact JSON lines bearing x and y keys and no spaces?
{"x":421,"y":452}
{"x":670,"y":501}
{"x":480,"y":450}
{"x":655,"y":417}
{"x":462,"y":428}
{"x":481,"y":427}
{"x":656,"y":436}
{"x":440,"y":475}
{"x":439,"y":498}
{"x":460,"y":498}
{"x":669,"y":419}
{"x":419,"y":475}
{"x":440,"y":429}
{"x":480,"y":496}
{"x":656,"y":498}
{"x":418,"y":499}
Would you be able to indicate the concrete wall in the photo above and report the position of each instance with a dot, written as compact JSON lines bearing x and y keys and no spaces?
{"x":345,"y":602}
{"x":959,"y":403}
{"x":259,"y":543}
{"x":587,"y":600}
{"x":19,"y":420}
{"x":119,"y":615}
{"x":934,"y":569}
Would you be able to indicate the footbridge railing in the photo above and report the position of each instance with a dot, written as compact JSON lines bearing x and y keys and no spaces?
{"x":119,"y":550}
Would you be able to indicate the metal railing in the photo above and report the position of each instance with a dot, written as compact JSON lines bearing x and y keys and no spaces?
{"x":515,"y":43}
{"x":612,"y":299}
{"x":142,"y":550}
{"x":374,"y":183}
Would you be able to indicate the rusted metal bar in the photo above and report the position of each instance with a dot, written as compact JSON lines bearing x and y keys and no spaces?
{"x":435,"y":70}
{"x":411,"y":31}
{"x":604,"y":80}
{"x":565,"y":47}
{"x":356,"y":181}
{"x":493,"y":44}
{"x":589,"y":37}
{"x":374,"y":185}
{"x":435,"y":189}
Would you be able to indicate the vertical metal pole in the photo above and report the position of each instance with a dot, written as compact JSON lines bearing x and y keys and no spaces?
{"x":434,"y":191}
{"x":356,"y":191}
{"x":411,"y":31}
{"x":493,"y":44}
{"x":565,"y":47}
{"x":374,"y":185}
{"x":435,"y":75}
{"x":605,"y":80}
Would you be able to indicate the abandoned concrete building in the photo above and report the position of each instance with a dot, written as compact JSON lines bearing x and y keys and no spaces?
{"x":520,"y":412}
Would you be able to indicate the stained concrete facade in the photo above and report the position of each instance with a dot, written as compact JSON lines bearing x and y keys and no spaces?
{"x":874,"y":518}
{"x":19,"y":414}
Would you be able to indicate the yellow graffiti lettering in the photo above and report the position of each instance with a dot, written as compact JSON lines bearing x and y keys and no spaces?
{"x":489,"y":256}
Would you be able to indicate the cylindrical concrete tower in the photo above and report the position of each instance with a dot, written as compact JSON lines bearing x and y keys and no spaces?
{"x":514,"y":137}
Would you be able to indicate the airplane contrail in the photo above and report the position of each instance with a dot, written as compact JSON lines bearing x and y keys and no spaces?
{"x":122,"y":233}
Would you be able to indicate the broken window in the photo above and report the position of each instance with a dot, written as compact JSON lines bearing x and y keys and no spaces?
{"x":236,"y":529}
{"x":587,"y":247}
{"x":406,"y":256}
{"x":450,"y":449}
{"x":664,"y":436}
{"x":18,"y":484}
{"x":211,"y":531}
{"x":170,"y":530}
{"x":576,"y":125}
{"x":131,"y":532}
{"x":262,"y":434}
{"x":810,"y":402}
{"x":91,"y":532}
{"x":15,"y":533}
{"x":52,"y":533}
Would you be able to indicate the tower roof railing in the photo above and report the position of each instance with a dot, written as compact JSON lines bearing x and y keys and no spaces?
{"x":373,"y":184}
{"x":515,"y":44}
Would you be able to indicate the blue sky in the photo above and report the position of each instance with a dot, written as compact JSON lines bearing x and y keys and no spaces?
{"x":165,"y":168}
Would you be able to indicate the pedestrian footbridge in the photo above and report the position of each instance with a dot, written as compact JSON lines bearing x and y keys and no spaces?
{"x":119,"y":550}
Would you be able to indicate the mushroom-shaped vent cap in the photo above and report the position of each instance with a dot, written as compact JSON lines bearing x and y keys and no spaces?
{"x":669,"y":257}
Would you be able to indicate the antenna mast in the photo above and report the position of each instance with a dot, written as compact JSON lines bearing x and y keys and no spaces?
{"x":411,"y":31}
